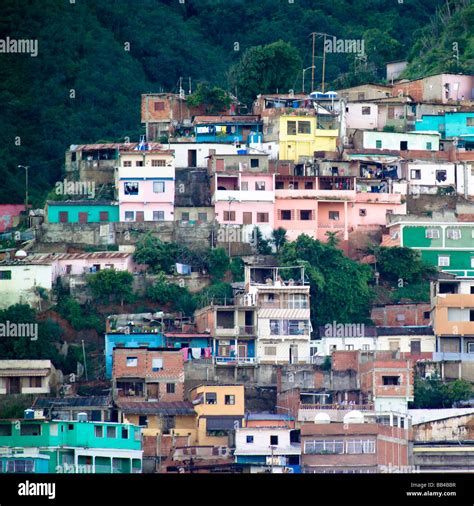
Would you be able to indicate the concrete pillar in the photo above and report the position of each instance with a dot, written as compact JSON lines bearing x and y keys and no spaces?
{"x":346,"y":233}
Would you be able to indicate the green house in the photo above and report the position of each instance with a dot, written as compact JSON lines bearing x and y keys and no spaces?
{"x":81,"y":211}
{"x":55,"y":446}
{"x":447,"y":245}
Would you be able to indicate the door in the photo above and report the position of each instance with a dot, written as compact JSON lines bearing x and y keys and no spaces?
{"x":153,"y":391}
{"x":192,"y":158}
{"x":140,"y":216}
{"x":247,"y":218}
{"x":242,"y":350}
{"x":403,"y":145}
{"x":13,"y":386}
{"x":293,"y":354}
{"x":82,"y":217}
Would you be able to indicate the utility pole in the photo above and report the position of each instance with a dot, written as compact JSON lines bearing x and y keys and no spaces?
{"x":312,"y":62}
{"x":26,"y":167}
{"x":324,"y":62}
{"x":85,"y":362}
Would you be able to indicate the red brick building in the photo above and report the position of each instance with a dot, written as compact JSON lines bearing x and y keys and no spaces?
{"x":353,"y":447}
{"x":401,"y":315}
{"x":148,"y":374}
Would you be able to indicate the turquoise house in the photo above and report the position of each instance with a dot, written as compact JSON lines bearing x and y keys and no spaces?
{"x":81,"y":211}
{"x":227,"y":129}
{"x":450,"y":125}
{"x":55,"y":446}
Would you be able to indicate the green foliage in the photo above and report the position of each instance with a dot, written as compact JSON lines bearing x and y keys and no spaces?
{"x":261,"y":245}
{"x":237,"y":269}
{"x":111,"y":285}
{"x":399,"y":263}
{"x":265,"y":69}
{"x":279,"y":238}
{"x":217,"y":292}
{"x":80,"y":317}
{"x":217,"y":263}
{"x":432,"y":393}
{"x":14,"y":406}
{"x":215,"y":99}
{"x":339,"y":286}
{"x":178,"y":298}
{"x":419,"y":292}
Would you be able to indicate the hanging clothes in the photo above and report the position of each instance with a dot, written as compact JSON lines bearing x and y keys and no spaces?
{"x":185,"y":353}
{"x":196,"y":353}
{"x":207,"y":352}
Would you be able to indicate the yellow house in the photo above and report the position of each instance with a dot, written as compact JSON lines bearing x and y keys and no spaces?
{"x":220,"y":410}
{"x":301,"y":136}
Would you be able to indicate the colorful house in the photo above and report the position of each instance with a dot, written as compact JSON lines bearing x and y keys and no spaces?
{"x":301,"y":135}
{"x":220,"y":411}
{"x":445,"y":244}
{"x":81,"y":211}
{"x":146,"y":185}
{"x":396,"y":141}
{"x":10,"y":215}
{"x":226,"y":129}
{"x":54,"y":446}
{"x":451,"y":125}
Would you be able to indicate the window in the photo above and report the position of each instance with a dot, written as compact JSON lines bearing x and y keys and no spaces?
{"x":431,"y":233}
{"x":30,"y":429}
{"x":365,"y":111}
{"x":441,"y":176}
{"x":211,"y":398}
{"x":285,"y":215}
{"x":244,"y":186}
{"x":249,"y":439}
{"x":429,"y":146}
{"x":63,"y":217}
{"x":270,"y":351}
{"x":159,"y":106}
{"x":158,"y":186}
{"x":254,"y":163}
{"x":293,"y":185}
{"x":124,"y":433}
{"x":355,"y":446}
{"x":127,"y":163}
{"x":142,"y":420}
{"x":470,"y":347}
{"x":139,"y":163}
{"x":262,"y":218}
{"x":415,"y":346}
{"x":202,"y":217}
{"x":273,"y":440}
{"x":170,"y":388}
{"x":20,"y":466}
{"x":415,"y":174}
{"x":229,"y":215}
{"x":304,"y":127}
{"x":472,"y":263}
{"x":362,"y":212}
{"x":132,"y":361}
{"x":403,"y":145}
{"x":260,"y":185}
{"x":156,"y":364}
{"x":471,"y":315}
{"x":184,"y":216}
{"x":229,"y":399}
{"x":158,"y":163}
{"x":129,"y":215}
{"x":104,"y":216}
{"x":349,"y":347}
{"x":279,"y":185}
{"x":5,"y":274}
{"x":306,"y":215}
{"x":308,"y":185}
{"x":365,"y":347}
{"x":324,"y":447}
{"x":443,"y":261}
{"x":111,"y":432}
{"x":378,"y":144}
{"x":454,"y":234}
{"x":99,"y":431}
{"x":334,"y":215}
{"x":6,"y":429}
{"x":470,"y":121}
{"x":291,"y":128}
{"x":35,"y":382}
{"x":390,"y":380}
{"x":275,"y":329}
{"x":130,"y":188}
{"x":158,"y":216}
{"x":426,"y":315}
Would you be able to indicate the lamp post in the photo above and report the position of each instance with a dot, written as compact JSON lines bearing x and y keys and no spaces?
{"x":304,"y":70}
{"x":26,"y":167}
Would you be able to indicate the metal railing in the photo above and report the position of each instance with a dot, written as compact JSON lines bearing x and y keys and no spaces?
{"x":235,"y":360}
{"x":338,"y":406}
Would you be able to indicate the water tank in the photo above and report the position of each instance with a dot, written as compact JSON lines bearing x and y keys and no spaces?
{"x":354,"y":416}
{"x":322,"y":418}
{"x":29,"y":414}
{"x":82,"y":417}
{"x":21,"y":254}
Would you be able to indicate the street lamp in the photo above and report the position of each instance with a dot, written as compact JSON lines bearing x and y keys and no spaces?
{"x":26,"y":167}
{"x":304,"y":70}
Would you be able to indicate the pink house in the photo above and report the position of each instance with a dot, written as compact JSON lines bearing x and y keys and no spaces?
{"x":317,"y":205}
{"x":146,"y":185}
{"x":10,"y":215}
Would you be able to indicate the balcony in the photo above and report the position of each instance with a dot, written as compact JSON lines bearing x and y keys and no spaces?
{"x":235,"y":360}
{"x":244,"y":196}
{"x":381,"y":198}
{"x":331,"y":225}
{"x":321,"y":194}
{"x":283,"y":304}
{"x":443,"y":356}
{"x":248,"y":330}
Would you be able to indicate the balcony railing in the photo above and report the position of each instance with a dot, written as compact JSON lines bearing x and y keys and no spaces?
{"x":235,"y":360}
{"x":464,"y":357}
{"x":248,"y":330}
{"x":343,"y":407}
{"x":283,"y":304}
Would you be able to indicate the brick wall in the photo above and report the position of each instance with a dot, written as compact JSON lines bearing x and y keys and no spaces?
{"x":388,"y":316}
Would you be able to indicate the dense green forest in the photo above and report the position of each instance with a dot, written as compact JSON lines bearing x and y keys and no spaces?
{"x":95,"y":58}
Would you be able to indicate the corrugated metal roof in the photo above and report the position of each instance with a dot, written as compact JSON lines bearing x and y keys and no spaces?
{"x":226,"y":119}
{"x":72,"y":402}
{"x":48,"y":258}
{"x":24,"y":372}
{"x":157,"y":408}
{"x":430,"y":415}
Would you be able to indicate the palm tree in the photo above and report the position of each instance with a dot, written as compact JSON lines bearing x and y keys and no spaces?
{"x":279,"y":238}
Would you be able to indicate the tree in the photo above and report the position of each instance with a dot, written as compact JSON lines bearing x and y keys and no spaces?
{"x":432,"y":393}
{"x":265,"y":69}
{"x":279,"y":238}
{"x":260,"y":244}
{"x":237,"y":269}
{"x":215,"y":99}
{"x":111,"y":285}
{"x":169,"y":294}
{"x":217,"y":263}
{"x":339,"y":286}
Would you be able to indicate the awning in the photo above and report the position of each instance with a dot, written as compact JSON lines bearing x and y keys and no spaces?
{"x":289,"y":314}
{"x":24,"y":372}
{"x":223,"y":423}
{"x":374,"y":158}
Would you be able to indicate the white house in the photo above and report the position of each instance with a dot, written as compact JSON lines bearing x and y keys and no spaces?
{"x":397,"y":141}
{"x":361,"y":115}
{"x":426,"y":178}
{"x":266,"y":449}
{"x":27,"y":377}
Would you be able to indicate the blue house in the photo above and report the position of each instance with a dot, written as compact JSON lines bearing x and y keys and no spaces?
{"x":450,"y":125}
{"x":226,"y":129}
